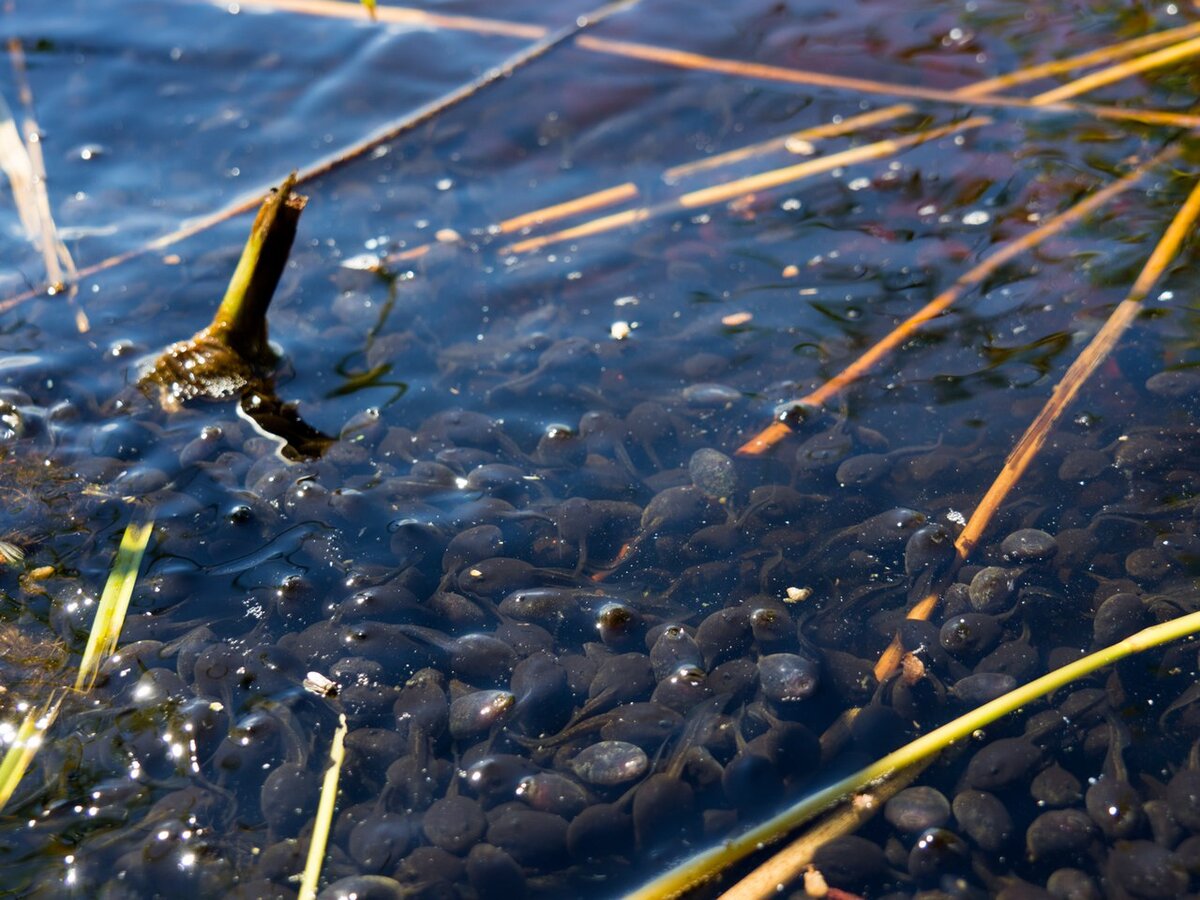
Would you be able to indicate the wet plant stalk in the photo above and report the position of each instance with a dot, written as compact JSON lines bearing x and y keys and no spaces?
{"x":324,"y":820}
{"x":114,"y":602}
{"x":706,"y":865}
{"x":241,"y":319}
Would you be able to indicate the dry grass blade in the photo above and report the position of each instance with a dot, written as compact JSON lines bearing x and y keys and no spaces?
{"x":401,"y":15}
{"x":114,"y":602}
{"x":987,"y":86}
{"x":60,"y":268}
{"x":324,"y":819}
{"x":1080,"y":371}
{"x":1026,"y":449}
{"x":339,"y":158}
{"x":22,"y":163}
{"x":738,"y":187}
{"x":25,"y":744}
{"x":698,"y":62}
{"x":903,"y":332}
{"x":789,"y":863}
{"x":586,"y":203}
{"x":1120,"y":71}
{"x":704,"y":866}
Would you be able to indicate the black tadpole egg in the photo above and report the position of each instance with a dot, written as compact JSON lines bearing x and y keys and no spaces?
{"x":1147,"y":870}
{"x":476,"y":713}
{"x":532,"y":838}
{"x":974,"y":690}
{"x":1059,"y":833}
{"x":991,"y":589}
{"x":454,"y":824}
{"x":363,"y":887}
{"x":930,"y":549}
{"x":984,"y":818}
{"x":494,"y":874}
{"x":663,"y":810}
{"x":788,"y":678}
{"x":600,"y":831}
{"x":1001,"y":763}
{"x":1028,"y":545}
{"x":915,"y":809}
{"x":937,"y":851}
{"x":610,"y":763}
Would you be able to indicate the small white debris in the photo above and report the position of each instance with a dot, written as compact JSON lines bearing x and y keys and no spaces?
{"x":798,"y":594}
{"x":447,"y":236}
{"x":620,"y":330}
{"x":318,"y":684}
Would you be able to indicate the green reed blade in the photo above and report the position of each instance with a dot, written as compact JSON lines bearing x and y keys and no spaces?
{"x":25,"y":746}
{"x":114,"y":602}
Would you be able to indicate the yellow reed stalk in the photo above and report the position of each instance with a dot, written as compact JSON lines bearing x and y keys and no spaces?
{"x":586,"y":203}
{"x":741,"y":186}
{"x":903,"y":332}
{"x":790,"y":862}
{"x":705,"y":865}
{"x":1080,"y":371}
{"x":400,"y":15}
{"x":683,"y":59}
{"x":1165,"y":57}
{"x":1031,"y":442}
{"x":324,"y":820}
{"x":979,"y":88}
{"x":25,"y":745}
{"x":114,"y":602}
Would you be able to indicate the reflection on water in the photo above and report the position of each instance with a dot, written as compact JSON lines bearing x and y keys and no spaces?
{"x":575,"y":636}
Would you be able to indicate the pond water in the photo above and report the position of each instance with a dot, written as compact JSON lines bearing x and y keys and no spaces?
{"x":575,"y":635}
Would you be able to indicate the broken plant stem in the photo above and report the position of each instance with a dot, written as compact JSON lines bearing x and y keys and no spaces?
{"x":241,"y":319}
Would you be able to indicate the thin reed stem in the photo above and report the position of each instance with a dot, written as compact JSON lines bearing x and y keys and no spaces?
{"x":974,"y":276}
{"x":706,"y":865}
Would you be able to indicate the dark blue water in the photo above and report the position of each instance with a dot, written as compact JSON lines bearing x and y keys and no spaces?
{"x":542,"y":406}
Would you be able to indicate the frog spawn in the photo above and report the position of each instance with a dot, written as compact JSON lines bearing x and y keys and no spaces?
{"x":515,"y":717}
